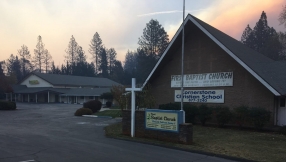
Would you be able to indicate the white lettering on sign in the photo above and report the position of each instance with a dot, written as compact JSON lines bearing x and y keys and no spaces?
{"x":202,"y":96}
{"x":203,"y":80}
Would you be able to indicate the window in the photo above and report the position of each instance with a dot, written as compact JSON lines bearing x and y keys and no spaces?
{"x":90,"y":97}
{"x":282,"y":102}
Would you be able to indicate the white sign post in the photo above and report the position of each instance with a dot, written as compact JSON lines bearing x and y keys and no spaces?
{"x":133,"y":89}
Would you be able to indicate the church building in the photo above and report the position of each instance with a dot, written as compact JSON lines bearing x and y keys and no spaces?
{"x":55,"y":88}
{"x":218,"y":70}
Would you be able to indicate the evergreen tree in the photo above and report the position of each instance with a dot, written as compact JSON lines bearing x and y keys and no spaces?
{"x":39,"y":52}
{"x":47,"y":60}
{"x":154,"y":39}
{"x":81,"y":57}
{"x":54,"y":69}
{"x":71,"y":51}
{"x":282,"y":16}
{"x":103,"y":65}
{"x":263,"y":38}
{"x":111,"y":57}
{"x":25,"y":57}
{"x":13,"y":69}
{"x":118,"y":72}
{"x":95,"y":50}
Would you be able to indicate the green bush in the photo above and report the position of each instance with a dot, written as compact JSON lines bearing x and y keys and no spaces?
{"x":259,"y":117}
{"x":223,"y":115}
{"x":7,"y":105}
{"x":204,"y":113}
{"x":108,"y":104}
{"x":241,"y":114}
{"x":191,"y":111}
{"x":283,"y":130}
{"x":94,"y":105}
{"x":83,"y":111}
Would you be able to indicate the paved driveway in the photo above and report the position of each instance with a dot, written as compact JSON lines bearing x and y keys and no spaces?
{"x":50,"y":133}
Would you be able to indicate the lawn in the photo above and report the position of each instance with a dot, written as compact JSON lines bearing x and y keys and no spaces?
{"x":251,"y":145}
{"x":112,"y":113}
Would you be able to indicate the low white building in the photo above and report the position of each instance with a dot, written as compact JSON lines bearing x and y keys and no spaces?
{"x":55,"y":88}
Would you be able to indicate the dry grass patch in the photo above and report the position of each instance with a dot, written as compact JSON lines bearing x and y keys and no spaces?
{"x":249,"y":145}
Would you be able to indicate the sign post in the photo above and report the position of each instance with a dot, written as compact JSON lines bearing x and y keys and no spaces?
{"x":133,"y":89}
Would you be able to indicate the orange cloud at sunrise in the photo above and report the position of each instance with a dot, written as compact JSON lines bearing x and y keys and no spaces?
{"x":233,"y":16}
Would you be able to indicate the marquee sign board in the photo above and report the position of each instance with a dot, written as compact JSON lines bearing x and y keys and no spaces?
{"x":201,"y":96}
{"x":163,"y":120}
{"x":203,"y":80}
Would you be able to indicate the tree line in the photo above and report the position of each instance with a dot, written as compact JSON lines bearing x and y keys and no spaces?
{"x":138,"y":63}
{"x":265,"y":39}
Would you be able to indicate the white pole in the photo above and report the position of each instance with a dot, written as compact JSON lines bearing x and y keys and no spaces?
{"x":48,"y":97}
{"x":183,"y":50}
{"x":133,"y":108}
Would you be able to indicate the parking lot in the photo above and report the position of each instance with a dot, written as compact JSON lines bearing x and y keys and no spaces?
{"x":51,"y":133}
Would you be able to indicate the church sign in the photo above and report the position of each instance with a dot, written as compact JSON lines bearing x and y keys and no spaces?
{"x":163,"y":120}
{"x":34,"y":82}
{"x":203,"y":80}
{"x":201,"y":96}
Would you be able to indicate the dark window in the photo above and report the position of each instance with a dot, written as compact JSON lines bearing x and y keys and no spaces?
{"x":81,"y":97}
{"x":282,"y":102}
{"x":90,"y":97}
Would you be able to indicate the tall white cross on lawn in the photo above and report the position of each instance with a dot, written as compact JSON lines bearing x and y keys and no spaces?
{"x":133,"y":89}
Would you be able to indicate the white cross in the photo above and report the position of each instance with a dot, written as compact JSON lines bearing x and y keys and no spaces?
{"x":133,"y":89}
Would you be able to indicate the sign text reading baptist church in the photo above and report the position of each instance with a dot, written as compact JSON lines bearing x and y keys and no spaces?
{"x":203,"y":80}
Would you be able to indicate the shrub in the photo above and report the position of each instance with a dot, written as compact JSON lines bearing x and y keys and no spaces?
{"x":108,"y":104}
{"x":83,"y":111}
{"x":259,"y":117}
{"x":191,"y":111}
{"x":94,"y":105}
{"x":204,"y":113}
{"x":283,"y":130}
{"x":241,"y":114}
{"x":7,"y":105}
{"x":223,"y":115}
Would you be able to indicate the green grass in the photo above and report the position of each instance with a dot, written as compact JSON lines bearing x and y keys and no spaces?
{"x":112,"y":113}
{"x":249,"y":145}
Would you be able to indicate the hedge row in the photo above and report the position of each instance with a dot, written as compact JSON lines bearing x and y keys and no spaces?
{"x":7,"y":105}
{"x":256,"y":116}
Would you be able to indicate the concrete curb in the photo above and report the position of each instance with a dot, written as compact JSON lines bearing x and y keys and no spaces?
{"x":94,"y":116}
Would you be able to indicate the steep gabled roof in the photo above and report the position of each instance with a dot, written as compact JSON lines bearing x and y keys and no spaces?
{"x":268,"y":72}
{"x":70,"y":80}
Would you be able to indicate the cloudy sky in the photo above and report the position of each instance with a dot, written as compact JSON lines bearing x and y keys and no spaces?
{"x":119,"y":22}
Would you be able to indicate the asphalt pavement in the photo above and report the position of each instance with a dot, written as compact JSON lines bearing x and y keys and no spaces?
{"x":51,"y":133}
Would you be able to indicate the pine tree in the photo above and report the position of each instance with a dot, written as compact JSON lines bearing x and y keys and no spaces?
{"x":47,"y":60}
{"x":25,"y":57}
{"x":95,"y":49}
{"x":71,"y":51}
{"x":282,"y":16}
{"x":154,"y":39}
{"x":102,"y":60}
{"x":39,"y":52}
{"x":111,"y":57}
{"x":263,"y":38}
{"x":81,"y":57}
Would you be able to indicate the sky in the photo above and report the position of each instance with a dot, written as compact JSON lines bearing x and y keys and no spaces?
{"x":119,"y":23}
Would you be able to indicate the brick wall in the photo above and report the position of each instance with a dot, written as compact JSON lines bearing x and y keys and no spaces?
{"x":184,"y":136}
{"x":202,"y":55}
